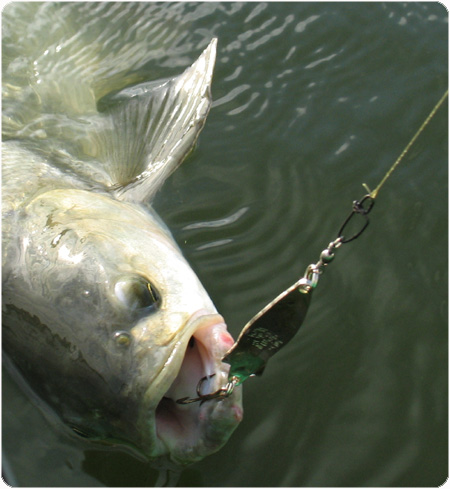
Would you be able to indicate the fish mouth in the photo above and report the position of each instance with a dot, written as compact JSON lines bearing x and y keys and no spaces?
{"x":190,"y":432}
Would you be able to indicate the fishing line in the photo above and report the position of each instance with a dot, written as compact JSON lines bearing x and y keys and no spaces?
{"x":276,"y":324}
{"x":374,"y":193}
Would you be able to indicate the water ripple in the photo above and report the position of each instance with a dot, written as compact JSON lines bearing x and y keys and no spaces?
{"x":231,"y":95}
{"x":244,"y":106}
{"x":303,"y":114}
{"x":301,"y":26}
{"x":319,"y":61}
{"x":214,"y":244}
{"x":218,"y":222}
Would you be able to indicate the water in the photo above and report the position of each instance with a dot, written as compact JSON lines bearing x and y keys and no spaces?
{"x":311,"y":100}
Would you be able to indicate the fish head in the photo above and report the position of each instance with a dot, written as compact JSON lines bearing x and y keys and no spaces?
{"x":103,"y":317}
{"x":128,"y":328}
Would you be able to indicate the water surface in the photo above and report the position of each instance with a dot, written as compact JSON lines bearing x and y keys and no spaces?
{"x":310,"y":101}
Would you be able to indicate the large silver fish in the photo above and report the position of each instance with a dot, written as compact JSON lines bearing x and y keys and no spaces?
{"x":102,"y":315}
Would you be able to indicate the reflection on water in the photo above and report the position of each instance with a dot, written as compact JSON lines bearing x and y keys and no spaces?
{"x":311,"y":100}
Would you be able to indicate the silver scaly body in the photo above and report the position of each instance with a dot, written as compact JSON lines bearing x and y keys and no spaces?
{"x":102,"y":316}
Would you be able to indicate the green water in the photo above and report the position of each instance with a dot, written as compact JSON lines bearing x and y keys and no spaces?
{"x":311,"y":100}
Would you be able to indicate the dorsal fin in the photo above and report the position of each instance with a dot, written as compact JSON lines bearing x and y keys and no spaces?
{"x":153,"y":126}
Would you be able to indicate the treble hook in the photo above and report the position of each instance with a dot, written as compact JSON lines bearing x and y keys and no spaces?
{"x":221,"y":393}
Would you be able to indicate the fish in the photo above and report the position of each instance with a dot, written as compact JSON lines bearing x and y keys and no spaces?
{"x":103,"y":319}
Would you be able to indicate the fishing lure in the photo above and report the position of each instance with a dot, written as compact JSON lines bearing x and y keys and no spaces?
{"x":277,"y":323}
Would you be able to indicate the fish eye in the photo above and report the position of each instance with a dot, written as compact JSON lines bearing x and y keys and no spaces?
{"x":122,"y":339}
{"x":137,"y":293}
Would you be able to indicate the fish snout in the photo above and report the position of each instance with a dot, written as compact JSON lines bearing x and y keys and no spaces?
{"x":210,"y":330}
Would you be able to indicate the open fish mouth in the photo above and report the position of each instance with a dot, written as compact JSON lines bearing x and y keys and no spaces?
{"x":190,"y":432}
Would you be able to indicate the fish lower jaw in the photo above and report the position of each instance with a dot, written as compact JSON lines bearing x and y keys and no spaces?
{"x":190,"y":432}
{"x":189,"y":437}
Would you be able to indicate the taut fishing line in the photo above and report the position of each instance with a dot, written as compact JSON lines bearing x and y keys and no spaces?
{"x":277,"y":323}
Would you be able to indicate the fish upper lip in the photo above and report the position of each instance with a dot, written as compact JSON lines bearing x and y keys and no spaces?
{"x":209,"y":338}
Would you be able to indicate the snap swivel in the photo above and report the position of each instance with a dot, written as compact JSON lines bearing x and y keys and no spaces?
{"x":362,"y":210}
